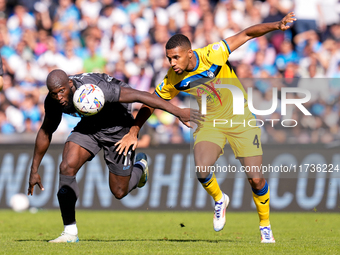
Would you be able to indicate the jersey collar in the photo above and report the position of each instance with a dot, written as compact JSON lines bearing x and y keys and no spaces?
{"x":197,"y":62}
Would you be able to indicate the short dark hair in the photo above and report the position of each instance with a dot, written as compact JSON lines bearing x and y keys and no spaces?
{"x":178,"y":40}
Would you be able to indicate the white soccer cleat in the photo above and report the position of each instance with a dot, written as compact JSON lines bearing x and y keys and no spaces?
{"x":267,"y":235}
{"x":142,"y":159}
{"x":65,"y":238}
{"x":219,"y":215}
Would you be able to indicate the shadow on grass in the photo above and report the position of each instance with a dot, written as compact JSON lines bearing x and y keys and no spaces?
{"x":139,"y":240}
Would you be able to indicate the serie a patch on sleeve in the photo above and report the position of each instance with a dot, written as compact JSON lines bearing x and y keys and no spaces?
{"x":216,"y":46}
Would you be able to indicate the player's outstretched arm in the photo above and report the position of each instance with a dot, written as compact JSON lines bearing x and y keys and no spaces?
{"x":128,"y":95}
{"x":258,"y":30}
{"x":42,"y":143}
{"x":151,"y":101}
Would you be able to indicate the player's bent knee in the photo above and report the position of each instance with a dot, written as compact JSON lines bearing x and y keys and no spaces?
{"x":119,"y":193}
{"x":65,"y":169}
{"x":202,"y":174}
{"x":257,"y":183}
{"x":202,"y":164}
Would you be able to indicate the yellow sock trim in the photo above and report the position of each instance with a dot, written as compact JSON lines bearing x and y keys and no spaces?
{"x":213,"y":188}
{"x":262,"y":206}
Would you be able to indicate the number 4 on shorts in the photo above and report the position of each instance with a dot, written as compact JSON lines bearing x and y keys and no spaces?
{"x":256,"y":141}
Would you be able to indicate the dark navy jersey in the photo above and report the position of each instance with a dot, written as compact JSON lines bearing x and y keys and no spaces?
{"x":113,"y":117}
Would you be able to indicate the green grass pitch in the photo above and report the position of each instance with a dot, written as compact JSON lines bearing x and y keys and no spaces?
{"x":147,"y":232}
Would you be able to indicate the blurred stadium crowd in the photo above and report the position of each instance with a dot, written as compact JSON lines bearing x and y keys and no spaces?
{"x":126,"y":40}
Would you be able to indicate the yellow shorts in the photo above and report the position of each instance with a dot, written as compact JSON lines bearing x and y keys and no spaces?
{"x":245,"y":141}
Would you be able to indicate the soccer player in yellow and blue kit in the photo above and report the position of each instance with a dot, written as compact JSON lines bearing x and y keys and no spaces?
{"x":197,"y":72}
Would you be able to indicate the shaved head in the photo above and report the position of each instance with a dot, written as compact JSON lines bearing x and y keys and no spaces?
{"x":56,"y":78}
{"x":61,"y":89}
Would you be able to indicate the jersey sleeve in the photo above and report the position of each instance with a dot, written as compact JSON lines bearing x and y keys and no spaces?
{"x":52,"y":108}
{"x":217,"y":53}
{"x":111,"y":90}
{"x":108,"y":84}
{"x":166,"y":90}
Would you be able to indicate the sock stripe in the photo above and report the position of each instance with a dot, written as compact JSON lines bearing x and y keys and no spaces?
{"x":205,"y":180}
{"x":140,"y":163}
{"x":262,"y":191}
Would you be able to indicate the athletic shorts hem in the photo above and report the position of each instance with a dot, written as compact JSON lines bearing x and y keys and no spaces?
{"x":248,"y":155}
{"x":114,"y":170}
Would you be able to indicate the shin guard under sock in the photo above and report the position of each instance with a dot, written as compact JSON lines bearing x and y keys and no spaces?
{"x":67,"y":196}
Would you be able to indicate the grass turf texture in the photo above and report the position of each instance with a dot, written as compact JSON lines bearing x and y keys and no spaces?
{"x":132,"y":232}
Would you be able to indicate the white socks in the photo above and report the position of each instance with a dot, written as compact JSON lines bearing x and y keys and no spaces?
{"x":71,"y":229}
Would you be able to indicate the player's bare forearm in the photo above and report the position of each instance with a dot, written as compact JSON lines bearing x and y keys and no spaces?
{"x":130,"y":139}
{"x":128,"y":95}
{"x":258,"y":30}
{"x":143,"y":114}
{"x":261,"y":29}
{"x":185,"y":115}
{"x":42,"y":143}
{"x":43,"y":140}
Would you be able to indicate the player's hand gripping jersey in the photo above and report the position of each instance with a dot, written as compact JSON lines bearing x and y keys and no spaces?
{"x":212,"y":68}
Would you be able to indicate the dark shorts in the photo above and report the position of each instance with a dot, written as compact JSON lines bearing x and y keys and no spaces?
{"x":117,"y":164}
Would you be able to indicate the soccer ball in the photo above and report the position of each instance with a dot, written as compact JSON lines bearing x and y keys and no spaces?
{"x":88,"y":99}
{"x":19,"y":202}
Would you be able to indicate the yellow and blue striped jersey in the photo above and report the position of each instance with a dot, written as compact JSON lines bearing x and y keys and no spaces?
{"x":212,"y":67}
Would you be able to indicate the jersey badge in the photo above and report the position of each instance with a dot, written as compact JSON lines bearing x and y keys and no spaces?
{"x":210,"y":74}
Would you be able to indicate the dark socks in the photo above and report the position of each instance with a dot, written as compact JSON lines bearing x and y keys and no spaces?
{"x":136,"y":173}
{"x":67,"y":196}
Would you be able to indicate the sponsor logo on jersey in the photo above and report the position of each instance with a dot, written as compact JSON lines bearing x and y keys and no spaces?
{"x":210,"y":91}
{"x":216,"y":46}
{"x":210,"y":74}
{"x":187,"y":84}
{"x":109,"y":78}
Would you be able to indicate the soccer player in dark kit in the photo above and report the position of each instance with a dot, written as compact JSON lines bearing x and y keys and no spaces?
{"x":91,"y":134}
